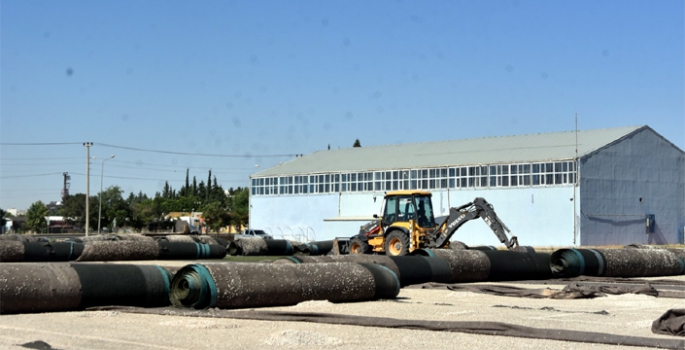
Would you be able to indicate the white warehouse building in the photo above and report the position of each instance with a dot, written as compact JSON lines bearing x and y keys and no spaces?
{"x":592,"y":187}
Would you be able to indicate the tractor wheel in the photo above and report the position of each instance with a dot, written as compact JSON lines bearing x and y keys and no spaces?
{"x":358,"y":246}
{"x":396,"y":243}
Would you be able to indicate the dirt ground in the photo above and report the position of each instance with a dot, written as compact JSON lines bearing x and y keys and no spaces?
{"x":628,"y":314}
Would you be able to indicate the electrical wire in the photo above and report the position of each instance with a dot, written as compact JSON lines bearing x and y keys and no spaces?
{"x":173,"y":171}
{"x":176,"y":166}
{"x":39,"y":143}
{"x":199,"y":154}
{"x":142,"y":178}
{"x":50,"y":158}
{"x":35,"y":175}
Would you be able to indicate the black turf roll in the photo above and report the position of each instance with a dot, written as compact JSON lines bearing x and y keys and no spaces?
{"x":222,"y":241}
{"x":511,"y":266}
{"x":129,"y":285}
{"x":575,"y":262}
{"x":55,"y":251}
{"x":177,"y":250}
{"x":322,"y":247}
{"x":216,"y":251}
{"x":413,"y":270}
{"x":278,"y":247}
{"x":387,"y":282}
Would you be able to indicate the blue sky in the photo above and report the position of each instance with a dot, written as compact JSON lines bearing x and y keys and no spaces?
{"x":259,"y":81}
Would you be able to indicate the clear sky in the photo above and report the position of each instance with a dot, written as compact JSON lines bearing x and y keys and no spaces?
{"x":257,"y":82}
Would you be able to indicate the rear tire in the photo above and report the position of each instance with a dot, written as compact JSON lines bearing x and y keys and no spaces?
{"x":358,"y":246}
{"x":396,"y":243}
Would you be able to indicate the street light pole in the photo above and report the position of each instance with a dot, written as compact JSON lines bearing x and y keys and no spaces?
{"x":87,"y":145}
{"x":102,"y":171}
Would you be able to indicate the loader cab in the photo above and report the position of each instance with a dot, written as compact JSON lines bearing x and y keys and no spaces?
{"x":402,"y":206}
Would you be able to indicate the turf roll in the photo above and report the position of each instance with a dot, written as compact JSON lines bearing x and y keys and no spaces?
{"x":466,"y":265}
{"x":278,"y":247}
{"x":616,"y":262}
{"x":420,"y":269}
{"x":314,"y":248}
{"x":185,"y":250}
{"x":679,"y":252}
{"x":350,"y":258}
{"x":508,"y":265}
{"x":119,"y":284}
{"x":247,"y":246}
{"x":641,"y":263}
{"x":38,"y":287}
{"x":244,"y":285}
{"x":52,"y":251}
{"x":213,"y":240}
{"x":11,"y":251}
{"x":386,"y":282}
{"x":258,"y":246}
{"x":568,"y":263}
{"x":119,"y":250}
{"x":96,"y":238}
{"x":410,"y":270}
{"x":181,"y":238}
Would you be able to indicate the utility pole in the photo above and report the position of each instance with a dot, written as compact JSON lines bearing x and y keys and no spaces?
{"x":87,"y":145}
{"x":575,"y":189}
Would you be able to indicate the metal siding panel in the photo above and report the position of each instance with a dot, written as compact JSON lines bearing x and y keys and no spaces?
{"x":614,"y":179}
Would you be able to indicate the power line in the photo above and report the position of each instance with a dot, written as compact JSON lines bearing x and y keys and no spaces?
{"x":35,"y":175}
{"x":143,"y":178}
{"x":39,"y":143}
{"x":152,"y":150}
{"x":34,"y":164}
{"x":177,"y":166}
{"x":47,"y":158}
{"x":199,"y":154}
{"x":176,"y":171}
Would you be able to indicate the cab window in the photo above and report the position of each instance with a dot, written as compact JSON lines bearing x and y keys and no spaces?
{"x":425,"y":217}
{"x":406,"y":209}
{"x":390,"y":212}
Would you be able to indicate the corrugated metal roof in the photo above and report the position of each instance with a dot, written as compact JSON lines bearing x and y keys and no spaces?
{"x":487,"y":150}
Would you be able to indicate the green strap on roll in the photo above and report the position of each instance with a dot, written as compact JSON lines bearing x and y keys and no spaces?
{"x":193,"y":286}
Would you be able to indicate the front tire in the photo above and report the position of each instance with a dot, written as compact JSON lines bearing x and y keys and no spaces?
{"x":358,"y":246}
{"x":397,"y":244}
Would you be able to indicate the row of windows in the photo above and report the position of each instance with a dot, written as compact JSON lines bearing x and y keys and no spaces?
{"x":478,"y":176}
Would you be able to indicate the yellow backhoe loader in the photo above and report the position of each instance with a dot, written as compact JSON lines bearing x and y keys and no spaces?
{"x":408,"y":223}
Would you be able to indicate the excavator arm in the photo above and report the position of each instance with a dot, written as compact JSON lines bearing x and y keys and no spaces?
{"x":479,"y":208}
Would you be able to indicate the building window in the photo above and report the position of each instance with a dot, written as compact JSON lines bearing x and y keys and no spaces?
{"x":499,"y":175}
{"x":472,"y":176}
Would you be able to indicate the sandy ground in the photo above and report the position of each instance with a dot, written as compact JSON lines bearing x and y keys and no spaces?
{"x":623,"y":314}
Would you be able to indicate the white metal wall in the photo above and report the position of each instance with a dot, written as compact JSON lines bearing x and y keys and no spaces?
{"x":539,"y":216}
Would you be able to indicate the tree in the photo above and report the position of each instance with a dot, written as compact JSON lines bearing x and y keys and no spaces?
{"x":35,"y":217}
{"x":241,"y":202}
{"x":166,"y":193}
{"x":218,"y":194}
{"x":143,"y":213}
{"x":215,"y":216}
{"x":209,"y":186}
{"x":3,"y":220}
{"x":74,"y":209}
{"x":357,"y":143}
{"x":113,"y":207}
{"x":202,"y":191}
